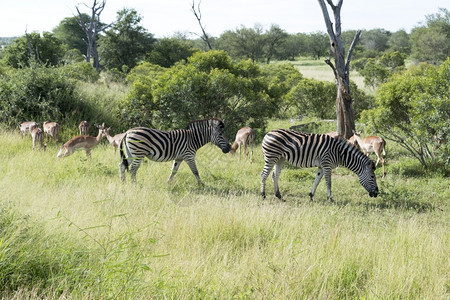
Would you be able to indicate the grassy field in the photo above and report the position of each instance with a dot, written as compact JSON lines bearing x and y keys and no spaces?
{"x":319,"y":70}
{"x":69,"y":229}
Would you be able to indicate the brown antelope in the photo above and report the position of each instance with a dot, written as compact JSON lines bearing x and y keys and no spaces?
{"x":114,"y":140}
{"x":51,"y":129}
{"x":82,"y":142}
{"x":333,"y":134}
{"x":244,"y":137}
{"x":84,"y":128}
{"x":370,"y":144}
{"x":25,"y":127}
{"x":37,"y":136}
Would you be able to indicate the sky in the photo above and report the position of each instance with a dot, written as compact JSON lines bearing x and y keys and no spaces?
{"x":164,"y":18}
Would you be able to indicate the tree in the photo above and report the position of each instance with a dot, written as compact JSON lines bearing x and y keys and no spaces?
{"x":292,"y":47}
{"x":71,"y":34}
{"x":413,"y":109}
{"x":46,"y":50}
{"x":126,"y":42}
{"x":431,"y":43}
{"x":209,"y":85}
{"x":168,"y":51}
{"x":344,"y":109}
{"x":274,"y":38}
{"x":399,"y":41}
{"x":318,"y":45}
{"x":281,"y":79}
{"x":245,"y":42}
{"x":92,"y":29}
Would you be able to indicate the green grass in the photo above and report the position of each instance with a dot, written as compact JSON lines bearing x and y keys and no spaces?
{"x":90,"y":236}
{"x":319,"y":70}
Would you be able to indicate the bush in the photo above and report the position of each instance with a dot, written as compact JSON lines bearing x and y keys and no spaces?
{"x":36,"y":93}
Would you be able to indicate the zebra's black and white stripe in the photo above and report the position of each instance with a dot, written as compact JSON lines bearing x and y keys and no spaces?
{"x":314,"y":150}
{"x":176,"y":145}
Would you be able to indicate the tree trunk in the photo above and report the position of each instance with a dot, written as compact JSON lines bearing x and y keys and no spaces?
{"x":92,"y":30}
{"x":344,"y":110}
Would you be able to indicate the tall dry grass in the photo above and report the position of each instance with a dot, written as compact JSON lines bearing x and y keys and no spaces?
{"x":183,"y":241}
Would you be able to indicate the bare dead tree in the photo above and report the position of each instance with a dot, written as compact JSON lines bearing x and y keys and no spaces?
{"x":344,"y":110}
{"x":198,"y":15}
{"x":92,"y":29}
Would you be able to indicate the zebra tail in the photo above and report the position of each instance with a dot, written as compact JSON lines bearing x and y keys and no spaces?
{"x":122,"y":153}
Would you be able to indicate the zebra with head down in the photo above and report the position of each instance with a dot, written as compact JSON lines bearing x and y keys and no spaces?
{"x":176,"y":145}
{"x":314,"y":150}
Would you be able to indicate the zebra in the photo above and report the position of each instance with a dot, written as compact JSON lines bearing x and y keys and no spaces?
{"x":314,"y":150}
{"x":176,"y":145}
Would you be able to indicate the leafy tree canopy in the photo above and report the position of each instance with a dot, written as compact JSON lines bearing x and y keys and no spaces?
{"x":126,"y":43}
{"x":413,"y":108}
{"x":32,"y":47}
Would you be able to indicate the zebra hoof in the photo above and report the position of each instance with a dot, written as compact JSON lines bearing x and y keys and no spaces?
{"x":311,"y":197}
{"x":263,"y":195}
{"x":278,"y":195}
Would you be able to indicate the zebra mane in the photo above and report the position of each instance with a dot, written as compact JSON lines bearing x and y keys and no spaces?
{"x":203,"y":121}
{"x":347,"y":146}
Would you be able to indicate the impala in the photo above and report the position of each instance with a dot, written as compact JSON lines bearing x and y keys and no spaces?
{"x":37,"y":136}
{"x":84,"y":128}
{"x":244,"y":137}
{"x":114,"y":140}
{"x":25,"y":127}
{"x":370,"y":144}
{"x":333,"y":134}
{"x":82,"y":142}
{"x":51,"y":129}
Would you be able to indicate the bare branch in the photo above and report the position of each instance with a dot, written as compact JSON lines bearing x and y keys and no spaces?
{"x":198,"y":16}
{"x":352,"y":46}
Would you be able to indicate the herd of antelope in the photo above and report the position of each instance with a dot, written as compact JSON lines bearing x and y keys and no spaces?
{"x":325,"y":151}
{"x":83,"y":141}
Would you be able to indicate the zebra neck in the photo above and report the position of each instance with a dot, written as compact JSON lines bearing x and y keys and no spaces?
{"x":351,"y":158}
{"x":200,"y":136}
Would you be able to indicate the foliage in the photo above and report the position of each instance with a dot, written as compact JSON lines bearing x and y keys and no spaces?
{"x":168,"y":51}
{"x":209,"y":85}
{"x":46,"y":50}
{"x":245,"y":43}
{"x":35,"y":93}
{"x":126,"y":42}
{"x":281,"y":79}
{"x":71,"y":33}
{"x":39,"y":94}
{"x":83,"y":71}
{"x":412,"y":109}
{"x":313,"y":98}
{"x":318,"y":44}
{"x":399,"y":41}
{"x":377,"y":71}
{"x":431,"y":43}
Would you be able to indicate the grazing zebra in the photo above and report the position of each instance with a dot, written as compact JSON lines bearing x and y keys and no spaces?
{"x":314,"y":150}
{"x":177,"y":145}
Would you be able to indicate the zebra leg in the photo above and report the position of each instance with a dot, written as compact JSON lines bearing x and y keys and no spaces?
{"x":276,"y":175}
{"x":264,"y":174}
{"x":176,"y":165}
{"x":193,"y":167}
{"x":327,"y":174}
{"x":122,"y":169}
{"x":134,"y":168}
{"x":316,"y":183}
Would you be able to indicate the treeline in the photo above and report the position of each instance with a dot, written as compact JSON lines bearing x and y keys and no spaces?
{"x":126,"y":43}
